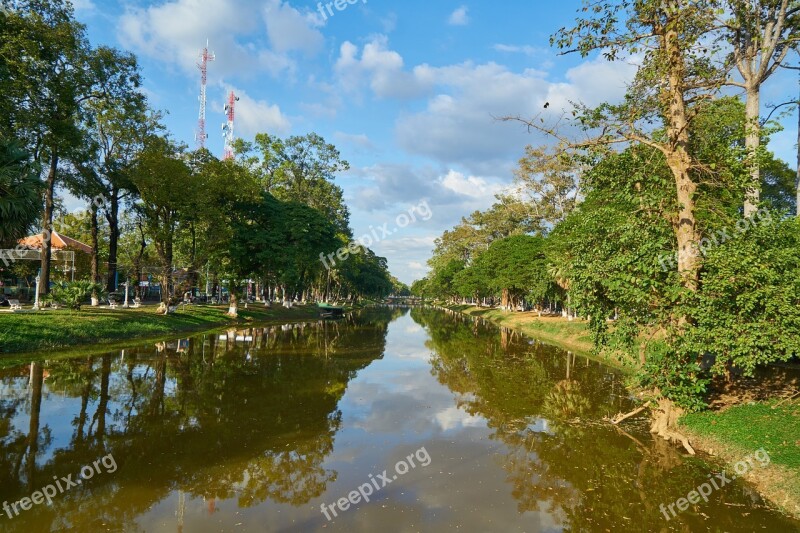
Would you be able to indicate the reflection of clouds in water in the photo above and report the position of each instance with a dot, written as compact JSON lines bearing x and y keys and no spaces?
{"x":411,"y":353}
{"x":455,"y":418}
{"x":413,"y":328}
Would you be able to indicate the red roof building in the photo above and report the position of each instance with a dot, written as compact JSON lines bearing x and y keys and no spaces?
{"x":57,"y":241}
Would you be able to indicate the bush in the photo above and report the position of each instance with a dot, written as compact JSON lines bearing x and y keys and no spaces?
{"x":74,"y":294}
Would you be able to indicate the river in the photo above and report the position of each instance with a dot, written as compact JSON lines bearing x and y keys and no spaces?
{"x":442,"y":422}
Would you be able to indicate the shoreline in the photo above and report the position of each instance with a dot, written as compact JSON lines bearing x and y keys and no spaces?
{"x":572,"y":335}
{"x":97,"y":329}
{"x":781,"y":488}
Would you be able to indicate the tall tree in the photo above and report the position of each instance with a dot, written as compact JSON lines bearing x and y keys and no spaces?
{"x":167,"y":192}
{"x":675,"y":80}
{"x":118,"y":128}
{"x":301,"y":169}
{"x":761,"y":33}
{"x":53,"y":72}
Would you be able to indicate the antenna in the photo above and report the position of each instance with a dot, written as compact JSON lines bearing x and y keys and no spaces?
{"x":205,"y":57}
{"x":227,"y":129}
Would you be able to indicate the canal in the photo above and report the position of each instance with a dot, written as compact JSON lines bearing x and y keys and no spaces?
{"x":389,"y":420}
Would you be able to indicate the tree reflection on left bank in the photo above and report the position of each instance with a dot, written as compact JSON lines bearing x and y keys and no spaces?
{"x":247,"y":414}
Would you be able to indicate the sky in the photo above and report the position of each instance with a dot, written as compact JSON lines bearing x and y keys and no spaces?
{"x":409,"y":92}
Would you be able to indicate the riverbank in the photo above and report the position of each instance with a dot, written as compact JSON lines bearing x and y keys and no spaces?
{"x":730,"y":435}
{"x":64,"y":329}
{"x":573,"y":335}
{"x":737,"y":432}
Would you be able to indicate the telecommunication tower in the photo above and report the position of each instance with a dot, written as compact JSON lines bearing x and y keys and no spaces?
{"x":205,"y":57}
{"x":227,"y":129}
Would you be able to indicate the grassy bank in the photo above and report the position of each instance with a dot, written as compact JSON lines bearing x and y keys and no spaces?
{"x":737,"y":432}
{"x":49,"y":330}
{"x":573,"y":336}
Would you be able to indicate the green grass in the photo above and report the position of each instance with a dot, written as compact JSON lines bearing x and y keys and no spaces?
{"x":573,"y":336}
{"x":741,"y":430}
{"x":49,"y":330}
{"x":754,"y":426}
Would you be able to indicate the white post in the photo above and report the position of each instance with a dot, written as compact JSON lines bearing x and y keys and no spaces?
{"x":126,"y":294}
{"x":36,"y":297}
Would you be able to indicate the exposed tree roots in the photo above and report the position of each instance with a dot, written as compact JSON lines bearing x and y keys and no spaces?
{"x":664,"y":423}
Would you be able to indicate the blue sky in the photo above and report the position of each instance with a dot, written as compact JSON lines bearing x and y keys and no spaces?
{"x":406,"y":90}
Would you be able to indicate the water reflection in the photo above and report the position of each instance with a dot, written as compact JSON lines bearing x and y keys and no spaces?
{"x":546,"y":406}
{"x":249,"y":414}
{"x":253,"y":429}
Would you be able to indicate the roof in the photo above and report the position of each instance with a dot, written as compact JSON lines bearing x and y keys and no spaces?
{"x":57,"y":241}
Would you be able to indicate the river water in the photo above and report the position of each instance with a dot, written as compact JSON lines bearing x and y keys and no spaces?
{"x":444,"y":423}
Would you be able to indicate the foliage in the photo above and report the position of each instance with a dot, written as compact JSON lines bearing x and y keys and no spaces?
{"x":300,"y":169}
{"x":747,"y":313}
{"x":74,"y":294}
{"x":20,"y":193}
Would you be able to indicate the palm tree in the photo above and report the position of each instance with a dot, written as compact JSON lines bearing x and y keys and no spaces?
{"x":559,"y":275}
{"x":20,"y":193}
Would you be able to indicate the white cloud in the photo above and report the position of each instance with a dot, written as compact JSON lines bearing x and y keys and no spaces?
{"x":515,"y":49}
{"x":459,"y":17}
{"x":175,"y":31}
{"x":360,"y":141}
{"x":289,"y":30}
{"x":83,"y":5}
{"x":471,"y":186}
{"x":381,"y":68}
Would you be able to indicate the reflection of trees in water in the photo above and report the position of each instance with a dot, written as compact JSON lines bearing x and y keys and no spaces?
{"x":250,"y":414}
{"x":545,"y":405}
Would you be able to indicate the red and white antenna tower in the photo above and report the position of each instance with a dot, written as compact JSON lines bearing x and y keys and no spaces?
{"x":227,"y":129}
{"x":205,"y":57}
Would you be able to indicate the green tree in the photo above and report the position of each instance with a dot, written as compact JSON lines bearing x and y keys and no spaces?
{"x":20,"y":190}
{"x":760,"y":34}
{"x":52,"y":73}
{"x":300,"y":169}
{"x":167,"y":191}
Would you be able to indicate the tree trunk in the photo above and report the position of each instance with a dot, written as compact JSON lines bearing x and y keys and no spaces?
{"x":679,"y":162}
{"x":797,"y":183}
{"x":47,"y":224}
{"x":113,"y":239}
{"x":752,"y":143}
{"x":166,"y":273}
{"x":95,"y":259}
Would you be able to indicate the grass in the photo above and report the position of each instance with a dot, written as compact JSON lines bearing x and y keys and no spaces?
{"x":739,"y":431}
{"x":573,"y":336}
{"x":49,"y":330}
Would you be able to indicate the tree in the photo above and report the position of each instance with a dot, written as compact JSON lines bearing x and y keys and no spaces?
{"x":167,"y":193}
{"x":673,"y":83}
{"x":117,"y":128}
{"x":549,"y":182}
{"x":300,"y":169}
{"x":20,"y":189}
{"x":52,"y":73}
{"x":761,"y":33}
{"x":515,"y":267}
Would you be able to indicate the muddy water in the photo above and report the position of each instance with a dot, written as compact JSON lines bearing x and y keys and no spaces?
{"x":441,"y":422}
